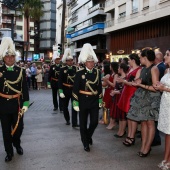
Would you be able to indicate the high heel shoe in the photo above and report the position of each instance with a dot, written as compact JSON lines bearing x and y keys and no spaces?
{"x":166,"y":166}
{"x":110,"y":127}
{"x":129,"y":141}
{"x":118,"y":136}
{"x":162,"y":164}
{"x":145,"y":154}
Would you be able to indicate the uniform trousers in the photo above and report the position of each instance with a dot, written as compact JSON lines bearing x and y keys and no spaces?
{"x":55,"y":101}
{"x":8,"y":121}
{"x":68,"y":95}
{"x":87,"y":132}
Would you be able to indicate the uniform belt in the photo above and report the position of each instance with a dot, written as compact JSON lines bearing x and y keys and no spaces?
{"x":54,"y":79}
{"x":86,"y":92}
{"x":9,"y":96}
{"x":68,"y":85}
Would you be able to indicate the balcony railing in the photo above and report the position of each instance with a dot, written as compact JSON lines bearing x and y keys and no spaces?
{"x":109,"y":23}
{"x":122,"y":15}
{"x":74,"y":19}
{"x":109,"y":3}
{"x":135,"y":10}
{"x":96,"y":7}
{"x":74,"y":5}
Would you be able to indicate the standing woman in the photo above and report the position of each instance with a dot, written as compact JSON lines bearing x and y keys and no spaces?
{"x":39,"y":77}
{"x":146,"y":101}
{"x":127,"y":93}
{"x":112,"y":83}
{"x":116,"y":93}
{"x":164,"y":114}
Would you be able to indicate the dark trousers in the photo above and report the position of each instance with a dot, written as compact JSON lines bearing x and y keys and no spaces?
{"x":29,"y":82}
{"x":87,"y":132}
{"x":8,"y":121}
{"x":55,"y":101}
{"x":34,"y":82}
{"x":68,"y":96}
{"x":157,"y":138}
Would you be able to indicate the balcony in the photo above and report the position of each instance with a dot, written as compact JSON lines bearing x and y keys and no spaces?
{"x":109,"y":23}
{"x":109,"y":5}
{"x":99,"y":6}
{"x":135,"y":10}
{"x":74,"y":19}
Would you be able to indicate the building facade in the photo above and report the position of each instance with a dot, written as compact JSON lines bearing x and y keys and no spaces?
{"x":47,"y":29}
{"x":86,"y":25}
{"x":135,"y":24}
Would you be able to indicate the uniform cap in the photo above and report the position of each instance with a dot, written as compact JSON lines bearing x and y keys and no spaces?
{"x":55,"y":55}
{"x":7,"y":47}
{"x":67,"y":55}
{"x":87,"y":54}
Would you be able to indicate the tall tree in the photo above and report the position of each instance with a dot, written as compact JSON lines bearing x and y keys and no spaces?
{"x":63,"y":25}
{"x":31,"y":9}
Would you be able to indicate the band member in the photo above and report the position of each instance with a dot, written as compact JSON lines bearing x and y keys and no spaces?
{"x":66,"y":80}
{"x":53,"y":81}
{"x":87,"y":94}
{"x":14,"y":98}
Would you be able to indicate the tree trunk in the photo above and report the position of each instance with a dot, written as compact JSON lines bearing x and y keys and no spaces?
{"x":63,"y":25}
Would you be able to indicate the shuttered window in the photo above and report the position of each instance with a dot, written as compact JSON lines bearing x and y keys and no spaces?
{"x":122,"y":9}
{"x":145,"y":3}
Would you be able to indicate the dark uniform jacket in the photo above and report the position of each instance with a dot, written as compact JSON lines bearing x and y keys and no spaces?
{"x":53,"y":75}
{"x":80,"y":83}
{"x":67,"y":76}
{"x":12,"y":82}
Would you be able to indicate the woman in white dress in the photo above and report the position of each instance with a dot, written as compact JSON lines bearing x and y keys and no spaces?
{"x":164,"y":115}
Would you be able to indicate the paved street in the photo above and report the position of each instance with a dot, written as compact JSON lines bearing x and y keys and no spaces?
{"x":51,"y":145}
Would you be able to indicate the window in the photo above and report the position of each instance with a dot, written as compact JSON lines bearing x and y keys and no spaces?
{"x":135,"y":6}
{"x":145,"y":4}
{"x":122,"y":11}
{"x":18,"y":27}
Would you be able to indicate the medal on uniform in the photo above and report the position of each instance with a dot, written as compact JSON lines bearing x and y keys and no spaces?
{"x":1,"y":74}
{"x":65,"y":71}
{"x":83,"y":76}
{"x":53,"y":68}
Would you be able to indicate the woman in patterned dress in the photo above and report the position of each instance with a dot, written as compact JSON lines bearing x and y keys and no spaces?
{"x":164,"y":114}
{"x":146,"y":100}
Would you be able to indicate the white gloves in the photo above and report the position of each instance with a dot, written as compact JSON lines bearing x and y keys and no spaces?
{"x":62,"y":95}
{"x":24,"y":108}
{"x":49,"y":86}
{"x":76,"y":108}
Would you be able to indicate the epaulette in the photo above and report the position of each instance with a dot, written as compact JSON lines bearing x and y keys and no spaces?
{"x":80,"y":69}
{"x":63,"y":66}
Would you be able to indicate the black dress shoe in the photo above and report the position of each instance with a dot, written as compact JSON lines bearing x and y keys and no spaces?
{"x":91,"y":141}
{"x":87,"y":148}
{"x":9,"y":157}
{"x":54,"y":109}
{"x":67,"y":123}
{"x":19,"y":150}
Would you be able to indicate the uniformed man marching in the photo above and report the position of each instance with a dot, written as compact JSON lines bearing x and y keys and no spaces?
{"x":53,"y":81}
{"x":87,"y":94}
{"x":14,"y":98}
{"x":66,"y":80}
